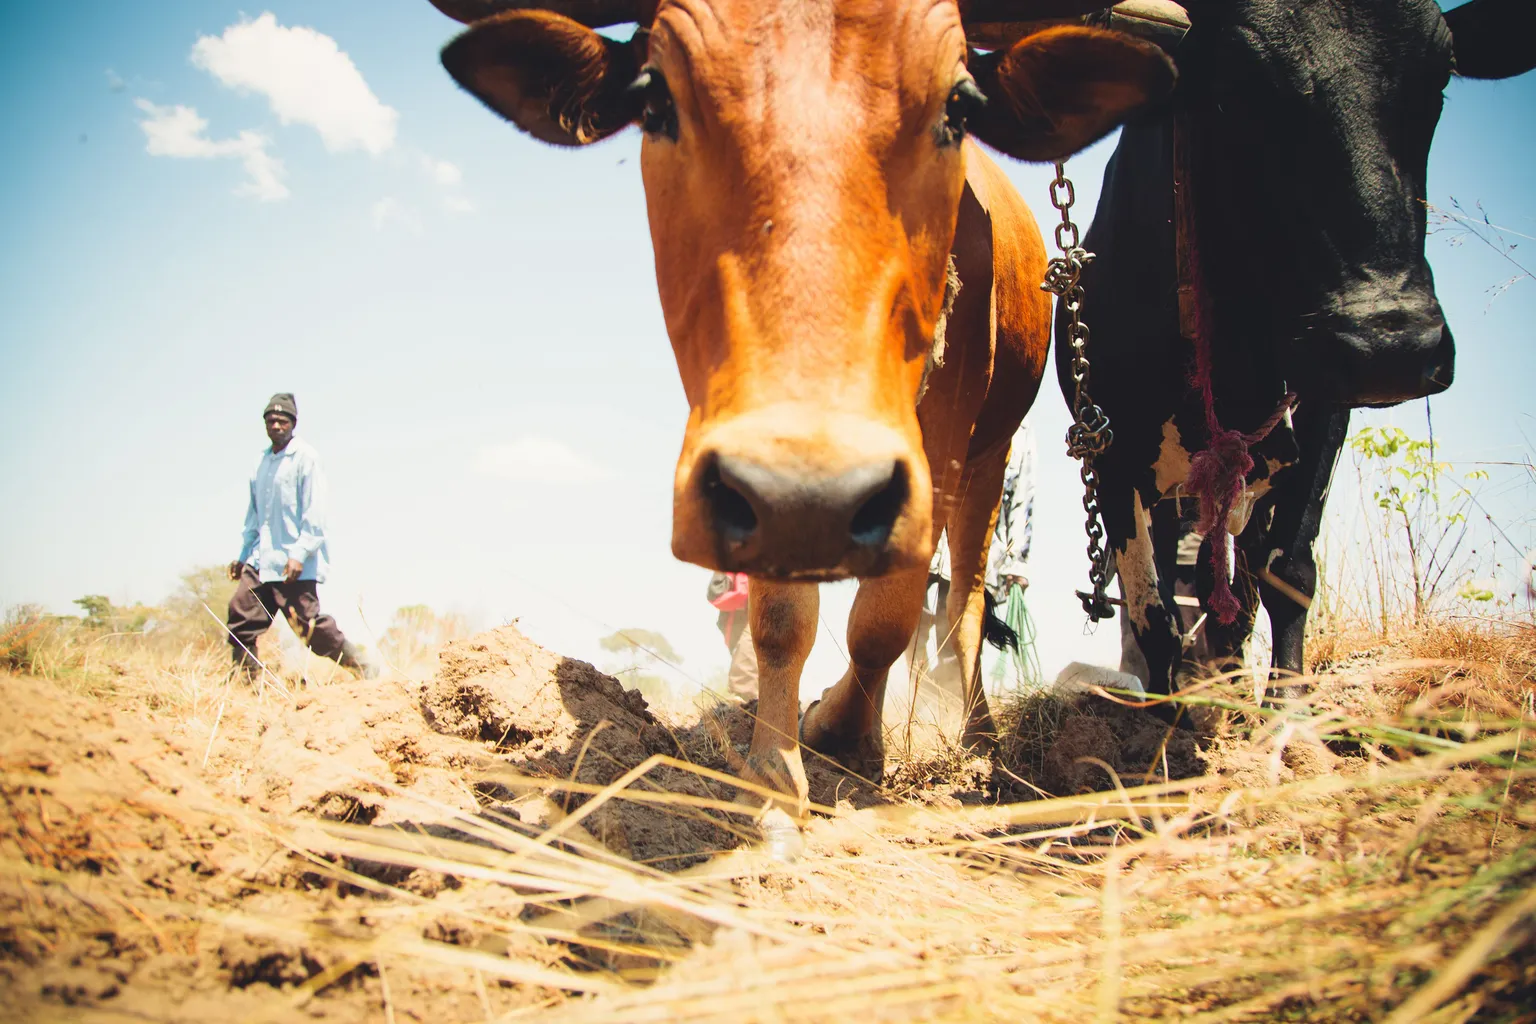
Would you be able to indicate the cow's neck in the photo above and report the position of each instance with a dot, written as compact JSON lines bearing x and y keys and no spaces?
{"x":941,"y":326}
{"x":1147,"y":222}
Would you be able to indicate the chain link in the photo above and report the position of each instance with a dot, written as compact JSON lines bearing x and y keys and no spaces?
{"x":1089,"y":434}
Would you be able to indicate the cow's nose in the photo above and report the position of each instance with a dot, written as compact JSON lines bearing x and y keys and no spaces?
{"x":776,"y":521}
{"x":1397,"y":354}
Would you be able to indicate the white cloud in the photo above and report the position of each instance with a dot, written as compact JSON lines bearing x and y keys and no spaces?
{"x":443,"y":172}
{"x":390,"y":210}
{"x":307,"y":79}
{"x":536,"y":460}
{"x":179,"y":132}
{"x":449,"y":178}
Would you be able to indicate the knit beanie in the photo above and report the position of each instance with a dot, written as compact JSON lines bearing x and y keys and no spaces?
{"x":282,"y":402}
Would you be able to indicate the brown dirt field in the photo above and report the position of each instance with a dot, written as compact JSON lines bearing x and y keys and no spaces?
{"x":131,"y":848}
{"x":373,"y":851}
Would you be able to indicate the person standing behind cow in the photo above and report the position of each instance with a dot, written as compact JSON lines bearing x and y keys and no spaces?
{"x":1007,"y":556}
{"x":284,"y":555}
{"x":728,"y":594}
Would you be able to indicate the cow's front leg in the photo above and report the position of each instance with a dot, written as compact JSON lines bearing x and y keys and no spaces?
{"x":1226,"y":643}
{"x":845,"y":723}
{"x":1149,"y":606}
{"x":783,"y":617}
{"x":1288,"y":573}
{"x":970,"y":536}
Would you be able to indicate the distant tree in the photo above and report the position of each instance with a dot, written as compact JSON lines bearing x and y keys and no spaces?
{"x":205,"y":589}
{"x":101,"y":613}
{"x":417,"y":631}
{"x":639,"y":650}
{"x":640,"y":644}
{"x":97,"y":609}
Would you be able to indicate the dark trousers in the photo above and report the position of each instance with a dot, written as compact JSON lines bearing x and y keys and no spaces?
{"x":255,"y":607}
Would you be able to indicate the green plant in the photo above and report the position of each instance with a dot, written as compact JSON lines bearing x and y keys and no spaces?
{"x":21,"y":637}
{"x":1420,"y":510}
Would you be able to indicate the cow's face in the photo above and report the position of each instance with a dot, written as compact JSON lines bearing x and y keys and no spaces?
{"x":803,"y":167}
{"x":1311,"y":127}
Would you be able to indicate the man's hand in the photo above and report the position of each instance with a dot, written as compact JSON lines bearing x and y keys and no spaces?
{"x":235,"y":569}
{"x":1014,"y":581}
{"x":292,"y":569}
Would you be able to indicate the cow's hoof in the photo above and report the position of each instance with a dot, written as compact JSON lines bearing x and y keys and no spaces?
{"x":773,"y":771}
{"x":980,"y":735}
{"x":1167,"y":711}
{"x":1284,"y":696}
{"x":862,"y":756}
{"x":782,"y":839}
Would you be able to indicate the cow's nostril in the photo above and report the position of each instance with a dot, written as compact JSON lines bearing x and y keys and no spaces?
{"x":781,"y":518}
{"x":732,"y":514}
{"x":872,"y":523}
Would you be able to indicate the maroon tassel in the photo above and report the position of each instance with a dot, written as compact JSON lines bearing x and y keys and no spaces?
{"x":1218,"y":473}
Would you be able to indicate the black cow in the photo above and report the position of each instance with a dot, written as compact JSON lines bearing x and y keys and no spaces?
{"x":1299,"y":136}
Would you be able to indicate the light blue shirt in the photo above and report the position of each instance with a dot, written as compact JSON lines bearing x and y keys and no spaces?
{"x":286,"y":515}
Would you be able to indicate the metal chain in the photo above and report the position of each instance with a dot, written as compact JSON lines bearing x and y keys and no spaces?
{"x":1089,"y":434}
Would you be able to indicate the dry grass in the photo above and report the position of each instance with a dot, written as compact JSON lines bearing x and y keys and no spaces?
{"x":1368,"y":855}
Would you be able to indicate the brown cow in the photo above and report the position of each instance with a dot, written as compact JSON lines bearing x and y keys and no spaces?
{"x":812,"y":197}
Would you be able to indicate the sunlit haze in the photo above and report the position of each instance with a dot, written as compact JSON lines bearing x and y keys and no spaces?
{"x":203,"y":204}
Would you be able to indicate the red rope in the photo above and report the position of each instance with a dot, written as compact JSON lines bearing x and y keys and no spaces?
{"x":1218,"y":473}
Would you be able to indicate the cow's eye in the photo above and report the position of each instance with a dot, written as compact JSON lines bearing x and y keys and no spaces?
{"x":658,"y":115}
{"x":965,"y":99}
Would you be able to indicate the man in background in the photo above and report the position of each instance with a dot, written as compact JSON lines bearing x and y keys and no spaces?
{"x":728,"y":594}
{"x":1008,"y":556}
{"x":1007,"y":561}
{"x":284,"y":555}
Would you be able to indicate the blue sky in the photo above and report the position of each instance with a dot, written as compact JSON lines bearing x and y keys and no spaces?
{"x":468,"y":319}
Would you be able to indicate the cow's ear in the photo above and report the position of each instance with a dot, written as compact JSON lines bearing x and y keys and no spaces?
{"x":1493,"y":38}
{"x":554,"y":78}
{"x":1061,"y":90}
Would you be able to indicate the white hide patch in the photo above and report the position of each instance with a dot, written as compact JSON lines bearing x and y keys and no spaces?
{"x":1138,"y":568}
{"x":1171,"y":471}
{"x":1242,"y":511}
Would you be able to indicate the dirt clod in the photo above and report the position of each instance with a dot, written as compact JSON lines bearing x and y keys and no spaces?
{"x":1075,"y":761}
{"x":1062,"y":744}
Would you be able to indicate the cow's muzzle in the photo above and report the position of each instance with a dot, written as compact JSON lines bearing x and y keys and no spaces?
{"x":801,"y":506}
{"x":1378,"y":347}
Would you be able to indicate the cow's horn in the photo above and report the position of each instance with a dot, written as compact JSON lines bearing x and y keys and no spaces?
{"x":591,"y":13}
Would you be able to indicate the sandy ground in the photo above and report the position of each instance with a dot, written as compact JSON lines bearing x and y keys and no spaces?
{"x":160,"y":866}
{"x":134,"y":839}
